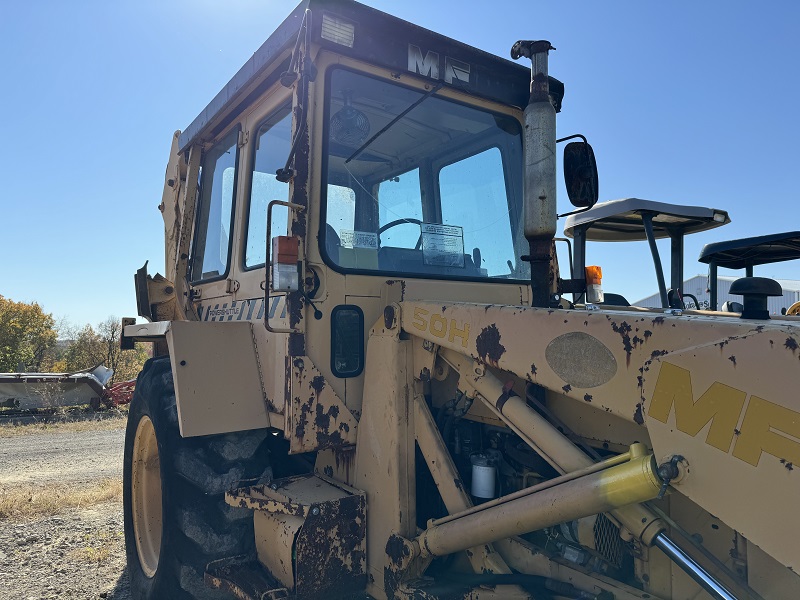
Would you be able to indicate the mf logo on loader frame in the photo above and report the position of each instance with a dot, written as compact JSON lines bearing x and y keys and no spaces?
{"x":430,"y":65}
{"x":765,"y":426}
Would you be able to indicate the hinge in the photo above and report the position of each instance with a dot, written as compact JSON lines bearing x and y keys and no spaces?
{"x":231,"y":286}
{"x":244,"y":137}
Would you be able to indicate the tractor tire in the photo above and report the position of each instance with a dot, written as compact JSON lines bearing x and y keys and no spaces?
{"x":176,"y":518}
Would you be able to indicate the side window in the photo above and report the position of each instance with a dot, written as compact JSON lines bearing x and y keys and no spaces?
{"x":473,"y":196}
{"x":273,"y":142}
{"x":211,"y":246}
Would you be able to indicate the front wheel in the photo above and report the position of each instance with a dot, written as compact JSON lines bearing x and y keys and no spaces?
{"x":176,"y":518}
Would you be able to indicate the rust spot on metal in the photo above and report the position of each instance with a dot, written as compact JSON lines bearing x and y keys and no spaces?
{"x":295,"y":303}
{"x":638,"y":416}
{"x":732,"y":359}
{"x":736,"y":432}
{"x":488,"y":345}
{"x":567,"y":388}
{"x":624,"y":331}
{"x":658,"y":321}
{"x":790,"y":344}
{"x":458,"y":483}
{"x":533,"y":369}
{"x":396,"y":549}
{"x":297,"y":344}
{"x":345,"y":459}
{"x":587,"y":397}
{"x":328,"y":470}
{"x":318,"y":384}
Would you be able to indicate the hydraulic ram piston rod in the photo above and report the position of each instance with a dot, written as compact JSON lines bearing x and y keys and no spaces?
{"x":692,"y":569}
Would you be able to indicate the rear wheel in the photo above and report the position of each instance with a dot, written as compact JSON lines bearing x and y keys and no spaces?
{"x":176,"y":518}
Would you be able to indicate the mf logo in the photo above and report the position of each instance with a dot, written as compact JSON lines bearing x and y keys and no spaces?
{"x":765,"y":426}
{"x":430,"y":65}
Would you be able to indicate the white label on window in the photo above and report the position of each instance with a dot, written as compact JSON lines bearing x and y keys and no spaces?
{"x":358,"y":239}
{"x":442,"y":245}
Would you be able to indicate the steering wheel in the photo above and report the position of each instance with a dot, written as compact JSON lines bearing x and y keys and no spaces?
{"x":794,"y":309}
{"x":397,"y":222}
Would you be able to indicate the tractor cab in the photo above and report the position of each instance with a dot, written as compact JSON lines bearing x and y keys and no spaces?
{"x":634,"y":219}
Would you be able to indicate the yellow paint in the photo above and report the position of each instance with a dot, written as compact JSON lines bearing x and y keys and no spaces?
{"x":720,"y":404}
{"x":420,"y":322}
{"x":439,"y":327}
{"x":455,"y":332}
{"x":766,"y":427}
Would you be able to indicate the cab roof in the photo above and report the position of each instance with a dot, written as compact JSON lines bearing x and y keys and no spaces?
{"x":378,"y":38}
{"x":747,"y":252}
{"x":621,"y":220}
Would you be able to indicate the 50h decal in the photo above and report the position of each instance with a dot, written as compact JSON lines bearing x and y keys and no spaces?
{"x":441,"y":327}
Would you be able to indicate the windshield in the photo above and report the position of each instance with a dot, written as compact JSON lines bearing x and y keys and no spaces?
{"x":436,"y":192}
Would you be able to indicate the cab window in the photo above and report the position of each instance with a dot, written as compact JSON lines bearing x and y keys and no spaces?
{"x":211,"y":247}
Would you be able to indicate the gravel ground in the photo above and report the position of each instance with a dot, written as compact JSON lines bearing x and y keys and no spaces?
{"x":78,"y":553}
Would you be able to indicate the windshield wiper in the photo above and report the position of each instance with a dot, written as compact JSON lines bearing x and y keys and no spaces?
{"x":363,"y":146}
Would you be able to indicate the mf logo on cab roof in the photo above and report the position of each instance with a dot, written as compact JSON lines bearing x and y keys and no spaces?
{"x":430,"y":65}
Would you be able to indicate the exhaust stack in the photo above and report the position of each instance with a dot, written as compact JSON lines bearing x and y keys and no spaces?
{"x":539,"y":179}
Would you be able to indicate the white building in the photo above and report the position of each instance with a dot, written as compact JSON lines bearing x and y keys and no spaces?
{"x":698,"y":287}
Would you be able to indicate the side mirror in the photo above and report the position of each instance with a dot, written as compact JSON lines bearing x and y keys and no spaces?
{"x":580,"y":174}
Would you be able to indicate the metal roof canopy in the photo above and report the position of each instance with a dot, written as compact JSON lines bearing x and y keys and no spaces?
{"x":379,"y":38}
{"x":621,"y":220}
{"x":634,"y":219}
{"x":747,"y":252}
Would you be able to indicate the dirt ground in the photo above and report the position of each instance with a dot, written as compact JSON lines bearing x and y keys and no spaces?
{"x":47,"y":552}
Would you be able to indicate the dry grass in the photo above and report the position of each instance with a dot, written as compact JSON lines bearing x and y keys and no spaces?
{"x":8,"y":430}
{"x":98,"y":548}
{"x":26,"y":501}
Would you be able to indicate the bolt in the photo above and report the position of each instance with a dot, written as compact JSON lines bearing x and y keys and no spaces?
{"x":315,"y":511}
{"x":273,"y":486}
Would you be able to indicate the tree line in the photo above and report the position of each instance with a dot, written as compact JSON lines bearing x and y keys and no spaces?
{"x":31,"y":340}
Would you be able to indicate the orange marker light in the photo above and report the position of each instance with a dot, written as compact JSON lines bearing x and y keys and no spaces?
{"x":594,"y":284}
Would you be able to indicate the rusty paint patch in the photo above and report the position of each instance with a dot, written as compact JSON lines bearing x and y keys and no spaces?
{"x":658,"y":321}
{"x":790,"y":344}
{"x":732,"y":359}
{"x":587,"y":397}
{"x":638,"y":416}
{"x":533,"y":369}
{"x":295,"y":303}
{"x":567,"y":388}
{"x":788,"y":464}
{"x":297,"y":344}
{"x":318,"y":384}
{"x":488,"y":344}
{"x":647,"y":334}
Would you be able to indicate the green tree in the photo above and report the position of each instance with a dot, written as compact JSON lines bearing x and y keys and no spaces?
{"x":27,"y":333}
{"x":91,"y":347}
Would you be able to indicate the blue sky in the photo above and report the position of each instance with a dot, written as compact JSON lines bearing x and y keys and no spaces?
{"x":684,"y":102}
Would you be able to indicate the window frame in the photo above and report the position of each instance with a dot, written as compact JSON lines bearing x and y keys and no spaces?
{"x":203,"y":175}
{"x":424,"y":166}
{"x":248,"y":202}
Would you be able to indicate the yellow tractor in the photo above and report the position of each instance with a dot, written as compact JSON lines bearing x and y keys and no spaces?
{"x":373,"y":380}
